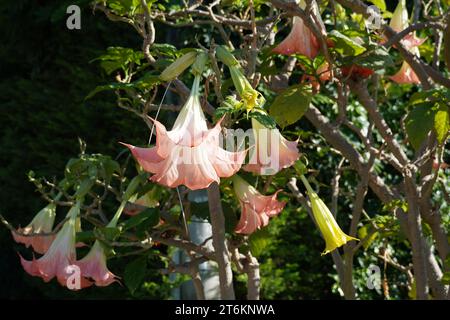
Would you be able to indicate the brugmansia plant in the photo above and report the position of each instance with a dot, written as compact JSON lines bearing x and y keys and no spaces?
{"x":269,"y":93}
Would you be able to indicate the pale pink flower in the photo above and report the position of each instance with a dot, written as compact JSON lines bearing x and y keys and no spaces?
{"x":272,"y":152}
{"x":60,"y":258}
{"x":93,"y":266}
{"x":405,"y":75}
{"x":399,"y":22}
{"x":190,"y":153}
{"x":41,"y":223}
{"x":301,"y":39}
{"x":256,"y":209}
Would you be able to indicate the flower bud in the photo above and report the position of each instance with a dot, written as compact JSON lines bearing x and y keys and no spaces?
{"x":199,"y":64}
{"x":226,"y":57}
{"x":178,"y":66}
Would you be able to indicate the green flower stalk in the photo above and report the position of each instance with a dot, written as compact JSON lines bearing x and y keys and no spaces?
{"x":250,"y":97}
{"x":332,"y":233}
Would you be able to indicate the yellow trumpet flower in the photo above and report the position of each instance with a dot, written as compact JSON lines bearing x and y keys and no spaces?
{"x":332,"y":233}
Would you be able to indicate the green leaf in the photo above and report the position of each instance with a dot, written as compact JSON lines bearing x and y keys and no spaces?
{"x":419,"y":122}
{"x":134,"y":273}
{"x":363,"y":233}
{"x":263,"y":118}
{"x":380,"y":4}
{"x":84,"y":187}
{"x":259,"y":240}
{"x":442,"y":123}
{"x":446,"y":278}
{"x":107,"y":233}
{"x":85,"y":236}
{"x":376,"y":59}
{"x":344,"y":45}
{"x":290,"y":105}
{"x":145,"y":82}
{"x":149,"y":215}
{"x":119,"y":58}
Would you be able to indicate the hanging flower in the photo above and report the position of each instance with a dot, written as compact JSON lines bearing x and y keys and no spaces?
{"x":256,"y":209}
{"x":301,"y":39}
{"x":93,"y":266}
{"x":189,"y":154}
{"x":405,"y":75}
{"x":60,"y":259}
{"x":272,"y":152}
{"x":399,"y":22}
{"x":332,"y":233}
{"x":41,"y":223}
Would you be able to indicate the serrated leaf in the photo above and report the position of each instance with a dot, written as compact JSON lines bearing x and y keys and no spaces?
{"x":442,"y":123}
{"x":134,"y":273}
{"x":419,"y":122}
{"x":290,"y":105}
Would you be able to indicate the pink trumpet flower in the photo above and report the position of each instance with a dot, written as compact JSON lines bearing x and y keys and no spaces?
{"x":60,"y":259}
{"x":189,"y":154}
{"x":272,"y":151}
{"x":41,"y":223}
{"x":256,"y":209}
{"x":93,"y":266}
{"x":301,"y":39}
{"x":405,"y":75}
{"x":399,"y":22}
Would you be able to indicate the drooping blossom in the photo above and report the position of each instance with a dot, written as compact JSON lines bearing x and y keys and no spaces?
{"x":405,"y":75}
{"x":256,"y":209}
{"x":189,"y":154}
{"x":272,"y":152}
{"x":399,"y":22}
{"x":331,"y":232}
{"x":301,"y":39}
{"x":60,"y":259}
{"x":93,"y":266}
{"x":41,"y":223}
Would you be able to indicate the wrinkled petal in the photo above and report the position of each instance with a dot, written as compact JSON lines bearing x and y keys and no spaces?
{"x":190,"y":154}
{"x":256,"y":209}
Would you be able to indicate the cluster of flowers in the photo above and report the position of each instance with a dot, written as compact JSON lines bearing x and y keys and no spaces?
{"x":190,"y":154}
{"x":301,"y":40}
